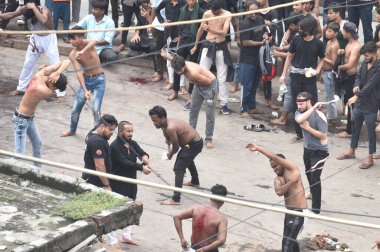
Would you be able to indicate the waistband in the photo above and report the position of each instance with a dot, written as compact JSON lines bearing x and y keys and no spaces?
{"x":92,"y":75}
{"x":23,"y":116}
{"x":194,"y":141}
{"x":327,"y":71}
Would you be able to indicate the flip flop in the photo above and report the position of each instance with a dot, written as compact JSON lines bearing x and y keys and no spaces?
{"x":344,"y":156}
{"x":256,"y":127}
{"x":295,"y":139}
{"x":365,"y":166}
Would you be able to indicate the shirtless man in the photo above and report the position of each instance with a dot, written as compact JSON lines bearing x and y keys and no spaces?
{"x":209,"y":226}
{"x":205,"y":89}
{"x":215,"y":48}
{"x":41,"y":87}
{"x":331,"y":54}
{"x":347,"y":71}
{"x":91,"y":77}
{"x":288,"y":183}
{"x":178,"y":134}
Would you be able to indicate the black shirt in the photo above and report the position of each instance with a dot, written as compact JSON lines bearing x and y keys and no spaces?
{"x":272,"y":17}
{"x":376,"y":34}
{"x":172,"y":13}
{"x":96,"y":147}
{"x":184,"y":30}
{"x":368,"y":82}
{"x":306,"y":54}
{"x":250,"y":54}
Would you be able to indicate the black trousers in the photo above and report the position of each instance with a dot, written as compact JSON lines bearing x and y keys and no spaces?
{"x":185,"y":159}
{"x":314,"y":161}
{"x":292,"y":226}
{"x":127,"y":14}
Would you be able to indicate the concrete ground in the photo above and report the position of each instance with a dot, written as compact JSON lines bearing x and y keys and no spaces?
{"x":247,"y":175}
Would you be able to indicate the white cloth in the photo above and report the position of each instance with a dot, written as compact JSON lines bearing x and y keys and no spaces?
{"x":221,"y":73}
{"x":38,"y":45}
{"x":154,"y":4}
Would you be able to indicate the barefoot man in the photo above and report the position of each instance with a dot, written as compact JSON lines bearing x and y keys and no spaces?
{"x":91,"y":77}
{"x":205,"y":89}
{"x":209,"y":226}
{"x":178,"y":134}
{"x":41,"y":87}
{"x":288,"y":183}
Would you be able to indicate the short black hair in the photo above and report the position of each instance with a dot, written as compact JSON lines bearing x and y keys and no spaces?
{"x":159,"y":111}
{"x":219,"y":190}
{"x":216,"y":4}
{"x":108,"y":120}
{"x":369,"y":47}
{"x":280,"y":155}
{"x":308,"y":24}
{"x":336,"y":7}
{"x":122,"y":124}
{"x":61,"y":83}
{"x":333,"y":26}
{"x":100,"y":4}
{"x":293,"y":18}
{"x":178,"y":62}
{"x":77,"y":35}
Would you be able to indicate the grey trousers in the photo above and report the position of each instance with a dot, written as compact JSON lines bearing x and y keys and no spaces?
{"x":75,"y":10}
{"x":201,"y":93}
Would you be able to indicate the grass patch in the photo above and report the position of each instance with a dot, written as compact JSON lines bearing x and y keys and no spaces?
{"x":84,"y":205}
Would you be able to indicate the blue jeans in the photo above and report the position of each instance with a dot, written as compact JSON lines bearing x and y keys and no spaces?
{"x":363,"y":13}
{"x":23,"y":127}
{"x":330,"y":92}
{"x":249,"y":77}
{"x":49,"y":5}
{"x":61,"y":10}
{"x":370,"y":122}
{"x":96,"y":85}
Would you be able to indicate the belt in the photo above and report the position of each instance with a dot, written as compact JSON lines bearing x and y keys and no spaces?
{"x":194,"y":141}
{"x":92,"y":75}
{"x":23,"y":116}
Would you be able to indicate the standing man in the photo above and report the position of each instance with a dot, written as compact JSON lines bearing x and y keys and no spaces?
{"x":334,"y":14}
{"x":97,"y":155}
{"x":209,"y":225}
{"x":178,"y":134}
{"x":361,"y":10}
{"x":215,"y":49}
{"x":124,"y":154}
{"x":302,"y":59}
{"x":314,"y":129}
{"x":91,"y":77}
{"x":347,"y":71}
{"x":250,"y":72}
{"x":205,"y":89}
{"x":366,"y":101}
{"x":288,"y":183}
{"x":41,"y":87}
{"x":99,"y":20}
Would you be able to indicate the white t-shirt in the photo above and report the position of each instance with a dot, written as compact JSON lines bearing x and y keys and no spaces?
{"x":155,"y":3}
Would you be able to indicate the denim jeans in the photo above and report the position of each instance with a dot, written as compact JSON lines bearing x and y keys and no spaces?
{"x":287,"y":106}
{"x":75,"y":10}
{"x":249,"y":77}
{"x":370,"y":122}
{"x":49,"y":5}
{"x":96,"y":85}
{"x":26,"y":127}
{"x":328,"y":80}
{"x":363,"y":13}
{"x":61,"y":10}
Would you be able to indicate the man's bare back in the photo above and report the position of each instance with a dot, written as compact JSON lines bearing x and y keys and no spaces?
{"x":184,"y":132}
{"x":207,"y":222}
{"x":198,"y":75}
{"x":351,"y":47}
{"x":217,"y":24}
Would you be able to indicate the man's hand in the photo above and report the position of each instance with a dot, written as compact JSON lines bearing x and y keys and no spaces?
{"x":352,"y":100}
{"x":252,"y":147}
{"x":87,"y":94}
{"x":356,"y":90}
{"x":164,"y":53}
{"x":317,"y":105}
{"x":305,"y":125}
{"x":31,"y":5}
{"x":340,"y":51}
{"x":194,"y":49}
{"x":53,"y":78}
{"x":78,"y":54}
{"x":169,"y":156}
{"x":282,"y":79}
{"x":146,"y":170}
{"x":205,"y":27}
{"x":184,"y":243}
{"x":136,"y":38}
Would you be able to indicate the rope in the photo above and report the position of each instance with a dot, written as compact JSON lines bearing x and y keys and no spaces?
{"x":190,"y":192}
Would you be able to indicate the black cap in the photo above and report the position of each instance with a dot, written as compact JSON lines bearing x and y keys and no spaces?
{"x":352,"y":29}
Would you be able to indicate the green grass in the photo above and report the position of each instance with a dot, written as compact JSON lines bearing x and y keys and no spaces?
{"x":84,"y":205}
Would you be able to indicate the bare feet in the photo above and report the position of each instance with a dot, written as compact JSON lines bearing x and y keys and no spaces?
{"x":173,"y":96}
{"x":61,"y":99}
{"x":256,"y":111}
{"x":245,"y":115}
{"x":169,"y":202}
{"x":67,"y":134}
{"x":188,"y":183}
{"x":16,"y":92}
{"x":168,"y":86}
{"x":209,"y":144}
{"x":343,"y":134}
{"x":183,"y":91}
{"x":376,"y":156}
{"x":125,"y":239}
{"x":271,"y":105}
{"x":308,"y":195}
{"x":233,"y":87}
{"x":157,"y":77}
{"x":278,"y":121}
{"x":120,"y":48}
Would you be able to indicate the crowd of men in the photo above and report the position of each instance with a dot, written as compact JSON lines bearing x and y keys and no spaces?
{"x":308,"y":50}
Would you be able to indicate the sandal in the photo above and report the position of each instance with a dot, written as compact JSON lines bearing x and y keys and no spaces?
{"x":344,"y":156}
{"x":295,"y":139}
{"x":256,"y":127}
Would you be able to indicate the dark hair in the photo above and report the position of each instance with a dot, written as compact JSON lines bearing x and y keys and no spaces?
{"x":100,"y":4}
{"x":378,"y":10}
{"x":249,"y":3}
{"x":177,"y":63}
{"x":293,"y":18}
{"x":216,"y":4}
{"x":142,"y":2}
{"x":336,"y":7}
{"x":76,"y":35}
{"x":308,"y":24}
{"x":281,"y":156}
{"x":220,"y":190}
{"x":159,"y":111}
{"x":333,"y":26}
{"x":121,"y":125}
{"x":61,"y":83}
{"x":107,"y":120}
{"x":369,"y":47}
{"x":305,"y":94}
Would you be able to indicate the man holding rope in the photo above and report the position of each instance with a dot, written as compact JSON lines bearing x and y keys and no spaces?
{"x":178,"y":134}
{"x":92,"y":80}
{"x":288,"y":183}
